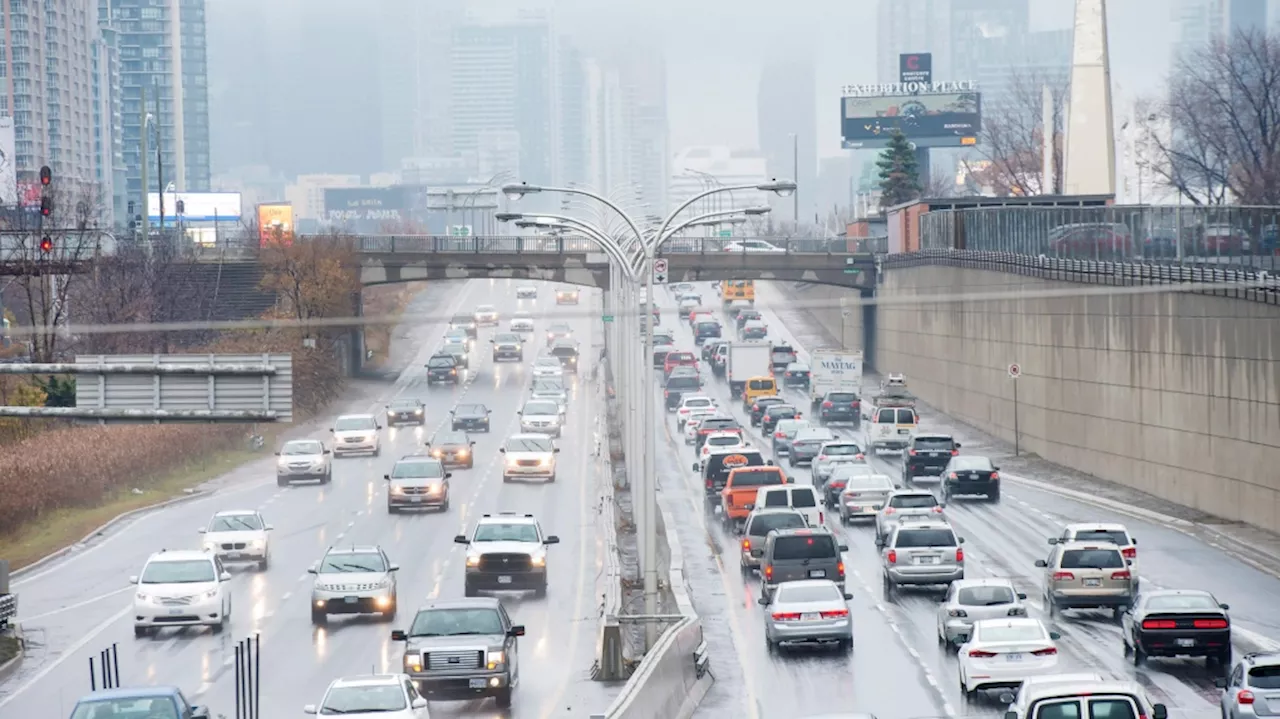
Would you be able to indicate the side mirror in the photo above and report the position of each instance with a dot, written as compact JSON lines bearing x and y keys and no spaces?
{"x":451,"y":411}
{"x":762,"y":602}
{"x":398,"y":635}
{"x":553,"y":539}
{"x":960,"y":540}
{"x":519,"y":411}
{"x":1022,"y":596}
{"x":848,"y":597}
{"x":1041,"y":563}
{"x":270,"y":528}
{"x":995,"y":468}
{"x":516,"y":631}
{"x":1006,"y":698}
{"x":387,"y":477}
{"x":331,"y":430}
{"x":201,"y":531}
{"x":199,"y":712}
{"x":461,"y":539}
{"x":556,"y":450}
{"x":393,"y":568}
{"x":224,"y":577}
{"x":1134,"y":540}
{"x":958,"y":447}
{"x":503,"y":450}
{"x":310,"y":709}
{"x":377,"y":426}
{"x":1053,"y":540}
{"x":447,"y":475}
{"x":769,"y":462}
{"x":313,"y":570}
{"x":695,"y":465}
{"x":844,"y":547}
{"x":326,"y":452}
{"x":1159,"y":711}
{"x":1225,"y":607}
{"x":419,"y":703}
{"x":1220,"y":683}
{"x":133,"y":579}
{"x":1055,"y":636}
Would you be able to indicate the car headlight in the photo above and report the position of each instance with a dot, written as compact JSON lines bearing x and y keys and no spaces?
{"x":538,"y":560}
{"x":463,"y":452}
{"x":413,"y":662}
{"x":259,"y":543}
{"x":473,"y":560}
{"x":397,"y":489}
{"x":437,"y":453}
{"x":495,"y":659}
{"x":143,"y":597}
{"x":210,"y":546}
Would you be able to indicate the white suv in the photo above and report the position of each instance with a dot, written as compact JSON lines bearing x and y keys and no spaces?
{"x":238,"y":536}
{"x":355,"y":433}
{"x":530,"y":456}
{"x":180,"y":589}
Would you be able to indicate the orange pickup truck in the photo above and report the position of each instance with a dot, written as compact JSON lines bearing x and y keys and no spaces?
{"x":738,"y":497}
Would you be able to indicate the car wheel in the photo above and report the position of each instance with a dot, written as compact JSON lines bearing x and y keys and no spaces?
{"x":390,"y":616}
{"x":994,"y":496}
{"x":469,"y":590}
{"x":328,"y":477}
{"x":541,"y":591}
{"x":770,"y":645}
{"x":846,"y":646}
{"x":1139,"y":657}
{"x":445,"y":506}
{"x":282,"y":482}
{"x":503,"y":698}
{"x":552,"y":479}
{"x":1052,"y":606}
{"x":889,"y":587}
{"x":140,"y":632}
{"x":263,"y":564}
{"x":318,"y":617}
{"x":377,"y":452}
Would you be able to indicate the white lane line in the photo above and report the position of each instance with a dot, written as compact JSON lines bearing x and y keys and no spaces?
{"x":71,"y":651}
{"x":69,"y":607}
{"x":204,"y":687}
{"x":285,"y":597}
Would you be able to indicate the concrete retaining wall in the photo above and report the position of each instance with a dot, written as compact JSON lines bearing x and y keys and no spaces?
{"x":824,"y":303}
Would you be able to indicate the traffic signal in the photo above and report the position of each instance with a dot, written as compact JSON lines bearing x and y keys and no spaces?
{"x":46,"y":245}
{"x":182,"y":207}
{"x":46,"y":206}
{"x":46,"y":176}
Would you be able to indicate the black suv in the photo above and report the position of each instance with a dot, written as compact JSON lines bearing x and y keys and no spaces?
{"x":927,"y":455}
{"x":839,"y":407}
{"x":470,"y":417}
{"x":705,"y":330}
{"x":745,"y":316}
{"x":567,"y":352}
{"x":406,"y":411}
{"x":453,"y":449}
{"x":797,"y":374}
{"x":757,"y":409}
{"x":443,"y":368}
{"x":464,"y":322}
{"x":678,"y":385}
{"x":775,"y":412}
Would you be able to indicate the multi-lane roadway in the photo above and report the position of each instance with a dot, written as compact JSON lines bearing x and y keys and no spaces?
{"x":897,"y":668}
{"x":82,"y":604}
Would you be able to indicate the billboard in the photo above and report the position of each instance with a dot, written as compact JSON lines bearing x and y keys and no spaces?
{"x":366,"y":209}
{"x":196,"y":206}
{"x":933,"y":120}
{"x":915,"y":67}
{"x":8,"y":163}
{"x":275,"y":224}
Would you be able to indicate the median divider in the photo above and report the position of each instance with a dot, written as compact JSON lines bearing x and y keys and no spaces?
{"x":609,"y":664}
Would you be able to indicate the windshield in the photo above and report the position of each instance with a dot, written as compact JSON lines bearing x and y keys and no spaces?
{"x":564,"y":350}
{"x":842,"y":397}
{"x":455,"y":350}
{"x":720,"y":423}
{"x":455,"y":622}
{"x":236,"y":523}
{"x":441,"y":362}
{"x":1014,"y":633}
{"x":528,"y":444}
{"x":757,"y":478}
{"x":147,"y":708}
{"x":445,"y":438}
{"x":1167,"y":602}
{"x":697,"y":402}
{"x":727,"y":441}
{"x":909,"y":538}
{"x":560,"y":330}
{"x":819,"y":546}
{"x":675,"y":382}
{"x":470,"y":410}
{"x":419,"y":469}
{"x":850,"y":470}
{"x":778,"y":410}
{"x":1092,"y":559}
{"x":541,"y":408}
{"x":507,"y":339}
{"x":790,"y":592}
{"x":762,"y":524}
{"x":783,"y":355}
{"x":984,"y":596}
{"x":350,"y":423}
{"x":865,"y":481}
{"x":404,"y":404}
{"x":1102,"y":535}
{"x":913,"y":501}
{"x":838,"y":450}
{"x":514,"y":532}
{"x":186,"y":571}
{"x":302,"y":447}
{"x":934,"y":444}
{"x":347,"y":562}
{"x":971,"y":464}
{"x":359,"y":699}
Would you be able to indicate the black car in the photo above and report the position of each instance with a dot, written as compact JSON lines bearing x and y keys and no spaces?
{"x":774,"y":412}
{"x":443,"y":368}
{"x":406,"y":411}
{"x":782,"y":356}
{"x":971,"y":474}
{"x":464,"y":322}
{"x":567,"y":352}
{"x":1177,"y":623}
{"x":470,"y":417}
{"x":760,"y":405}
{"x":927,"y":454}
{"x":677,"y":386}
{"x":744,"y":316}
{"x":459,"y":353}
{"x":508,"y":346}
{"x":559,"y":331}
{"x":453,"y":449}
{"x":705,"y":330}
{"x":840,"y":407}
{"x":796,"y":374}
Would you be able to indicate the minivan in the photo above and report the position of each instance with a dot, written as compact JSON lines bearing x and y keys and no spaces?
{"x":801,"y":498}
{"x":794,"y":554}
{"x":892,"y":428}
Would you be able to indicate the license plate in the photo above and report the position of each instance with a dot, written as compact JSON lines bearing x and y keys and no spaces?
{"x":904,"y":431}
{"x":504,"y":580}
{"x":1186,"y":642}
{"x":973,"y":476}
{"x":817,"y":573}
{"x":854,"y":508}
{"x":1093,"y":582}
{"x":478,"y":683}
{"x":175,"y":612}
{"x":351,"y":600}
{"x":810,"y":617}
{"x":1014,"y":657}
{"x":926,"y":560}
{"x":233,"y":555}
{"x":415,"y":500}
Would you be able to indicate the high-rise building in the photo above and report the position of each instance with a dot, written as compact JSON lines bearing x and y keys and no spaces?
{"x":627,"y":130}
{"x":787,"y":121}
{"x":1200,"y":21}
{"x":162,"y":51}
{"x":954,"y":31}
{"x":571,"y":119}
{"x":108,"y":146}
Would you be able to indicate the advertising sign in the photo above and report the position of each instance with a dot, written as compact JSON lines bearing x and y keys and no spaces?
{"x":365,"y":208}
{"x":275,"y":224}
{"x":196,"y":206}
{"x":942,"y":120}
{"x":8,"y":163}
{"x":915,"y":67}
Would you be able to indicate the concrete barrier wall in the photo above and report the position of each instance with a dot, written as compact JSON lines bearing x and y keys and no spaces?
{"x":1177,"y":395}
{"x":824,"y":303}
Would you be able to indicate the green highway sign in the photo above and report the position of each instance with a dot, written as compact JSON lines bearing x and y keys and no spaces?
{"x":852,"y":271}
{"x":607,"y":318}
{"x":460,"y":230}
{"x":726,"y":233}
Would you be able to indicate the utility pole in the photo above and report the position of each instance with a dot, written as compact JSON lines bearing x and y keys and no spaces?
{"x":145,"y":157}
{"x":795,"y":172}
{"x":159,"y":165}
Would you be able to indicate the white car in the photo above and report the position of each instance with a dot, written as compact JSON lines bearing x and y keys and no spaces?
{"x":386,"y":696}
{"x":486,"y":315}
{"x":1001,"y":653}
{"x":541,"y":416}
{"x":688,"y":404}
{"x":303,"y":459}
{"x":753,"y":246}
{"x":552,"y":389}
{"x":181,"y":589}
{"x":721,"y":440}
{"x":356,"y":433}
{"x":526,"y":292}
{"x":238,"y":536}
{"x":548,"y":367}
{"x":521,"y":322}
{"x":972,"y":600}
{"x":529,"y":456}
{"x":694,"y":421}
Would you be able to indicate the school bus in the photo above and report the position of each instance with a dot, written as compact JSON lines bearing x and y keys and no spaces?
{"x":733,"y":290}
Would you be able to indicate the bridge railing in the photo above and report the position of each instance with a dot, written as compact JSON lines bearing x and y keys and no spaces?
{"x":1221,"y":235}
{"x":431,"y":244}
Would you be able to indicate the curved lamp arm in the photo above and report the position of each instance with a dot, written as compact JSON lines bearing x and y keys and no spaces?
{"x":518,"y":191}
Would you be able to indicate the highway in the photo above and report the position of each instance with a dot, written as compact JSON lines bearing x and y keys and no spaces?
{"x":897,"y":668}
{"x":81,"y":605}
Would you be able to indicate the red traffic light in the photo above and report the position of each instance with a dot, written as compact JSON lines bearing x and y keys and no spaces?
{"x":46,"y":245}
{"x":46,"y":206}
{"x":46,"y":175}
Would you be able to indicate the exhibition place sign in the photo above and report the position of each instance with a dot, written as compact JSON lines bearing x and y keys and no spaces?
{"x":908,"y":88}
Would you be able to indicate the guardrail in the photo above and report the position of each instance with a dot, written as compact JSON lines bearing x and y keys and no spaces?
{"x":551,"y":245}
{"x":8,"y":609}
{"x":1218,"y":280}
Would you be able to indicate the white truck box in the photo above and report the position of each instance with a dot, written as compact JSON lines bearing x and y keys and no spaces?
{"x":747,"y":360}
{"x":834,"y":371}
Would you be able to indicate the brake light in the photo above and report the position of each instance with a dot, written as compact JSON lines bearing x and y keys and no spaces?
{"x":1210,"y":624}
{"x":840,"y":569}
{"x":911,"y":452}
{"x":1059,"y":576}
{"x":959,"y":555}
{"x":822,"y":456}
{"x":889,"y":510}
{"x":666,"y":393}
{"x":995,"y":476}
{"x":709,"y":484}
{"x":786,"y":616}
{"x":1047,"y":652}
{"x":1159,"y":624}
{"x":892,"y":556}
{"x":822,"y":519}
{"x":979,"y":654}
{"x":1121,"y":575}
{"x":835,"y":614}
{"x":768,"y":572}
{"x":855,"y":405}
{"x":788,"y":374}
{"x":1129,"y":552}
{"x":955,"y":453}
{"x":746,"y":545}
{"x":859,"y":456}
{"x":755,"y":408}
{"x":937,"y":510}
{"x":1244,"y":696}
{"x":827,"y":405}
{"x":780,"y":435}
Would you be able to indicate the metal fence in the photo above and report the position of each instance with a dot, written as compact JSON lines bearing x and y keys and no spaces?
{"x":569,"y":244}
{"x":1203,"y":235}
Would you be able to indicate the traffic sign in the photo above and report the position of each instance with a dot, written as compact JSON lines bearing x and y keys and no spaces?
{"x":460,"y":230}
{"x":606,"y":318}
{"x":660,"y":270}
{"x":726,"y":233}
{"x":1015,"y":371}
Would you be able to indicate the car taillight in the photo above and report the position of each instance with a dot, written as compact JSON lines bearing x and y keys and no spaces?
{"x":822,"y":456}
{"x":768,"y":572}
{"x":855,"y":405}
{"x":666,"y":393}
{"x":1059,"y":576}
{"x":788,"y":374}
{"x":840,"y":569}
{"x":827,"y":405}
{"x":955,"y":453}
{"x":755,"y":408}
{"x":1159,"y":624}
{"x":780,"y":435}
{"x":1121,"y":575}
{"x":1244,"y":696}
{"x":1210,"y":624}
{"x":889,"y":510}
{"x":937,"y":510}
{"x":1046,"y":652}
{"x":786,"y":616}
{"x":1129,"y":552}
{"x":746,"y":545}
{"x":979,"y":654}
{"x":835,"y":614}
{"x":860,"y":456}
{"x":892,"y":556}
{"x":911,"y":452}
{"x":959,"y":555}
{"x":709,"y":484}
{"x":957,"y":613}
{"x":995,"y":476}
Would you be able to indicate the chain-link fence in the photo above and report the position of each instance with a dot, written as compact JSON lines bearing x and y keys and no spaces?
{"x":1221,"y":234}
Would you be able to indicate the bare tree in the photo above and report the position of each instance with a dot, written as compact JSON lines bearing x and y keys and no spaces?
{"x":1013,"y":138}
{"x":1214,"y":136}
{"x":314,"y":279}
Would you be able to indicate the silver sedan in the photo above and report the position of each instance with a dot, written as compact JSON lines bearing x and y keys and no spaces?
{"x":970,"y":600}
{"x":808,"y":611}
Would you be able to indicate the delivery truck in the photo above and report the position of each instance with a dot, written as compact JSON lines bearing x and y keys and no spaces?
{"x":833,"y":371}
{"x":747,"y":360}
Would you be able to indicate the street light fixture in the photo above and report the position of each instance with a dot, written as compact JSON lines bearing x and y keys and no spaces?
{"x":516,"y":191}
{"x":782,"y":188}
{"x":758,"y":210}
{"x":508,"y":216}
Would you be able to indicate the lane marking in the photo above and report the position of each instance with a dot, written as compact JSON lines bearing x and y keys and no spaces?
{"x":63,"y":656}
{"x":77,"y":605}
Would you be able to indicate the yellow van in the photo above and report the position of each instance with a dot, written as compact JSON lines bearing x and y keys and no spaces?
{"x":757,"y":387}
{"x":738,"y":290}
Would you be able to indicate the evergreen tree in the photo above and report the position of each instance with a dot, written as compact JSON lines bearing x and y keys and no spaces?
{"x":899,"y":173}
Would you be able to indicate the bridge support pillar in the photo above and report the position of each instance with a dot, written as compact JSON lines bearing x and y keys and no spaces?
{"x":355,"y":340}
{"x":869,"y":329}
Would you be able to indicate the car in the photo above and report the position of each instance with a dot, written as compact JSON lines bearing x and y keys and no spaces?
{"x":459,"y":353}
{"x":781,"y":357}
{"x":756,"y":409}
{"x":858,"y":495}
{"x":567,"y":296}
{"x":689,"y":403}
{"x":707,"y":328}
{"x":753,"y":246}
{"x":799,"y":497}
{"x":971,"y":474}
{"x":1102,"y":532}
{"x":486,"y":316}
{"x":920,"y":553}
{"x":558,"y":331}
{"x":927,"y":455}
{"x":1032,"y":685}
{"x":462,"y":649}
{"x":506,"y":552}
{"x":969,"y":600}
{"x":753,"y":330}
{"x":694,"y":421}
{"x":721,"y":440}
{"x":526,"y":292}
{"x":466,"y":323}
{"x":443,"y":368}
{"x":797,"y":374}
{"x":678,"y":359}
{"x":1043,"y":698}
{"x":453,"y":449}
{"x":759,"y":523}
{"x":1002,"y":653}
{"x":807,"y":446}
{"x":840,"y":407}
{"x":793,"y":555}
{"x":714,"y":469}
{"x":906,"y":503}
{"x":458,"y":337}
{"x":356,"y":433}
{"x":709,"y":348}
{"x":388,"y":696}
{"x":521,"y":323}
{"x":406,"y":411}
{"x":508,"y":346}
{"x":551,"y":388}
{"x":181,"y":589}
{"x":417,"y":481}
{"x":712,"y":425}
{"x":529,"y":456}
{"x":660,"y":353}
{"x":1177,"y":623}
{"x":547,"y":366}
{"x":779,"y":411}
{"x":687,"y":305}
{"x":745,"y":315}
{"x":1256,"y":677}
{"x":238,"y":535}
{"x":541,"y":416}
{"x":1087,"y":575}
{"x":832,"y":453}
{"x":470,"y":417}
{"x":303,"y":459}
{"x":784,"y":432}
{"x":142,"y":702}
{"x":663,"y":337}
{"x":566,"y":350}
{"x":357,"y":579}
{"x":808,"y":611}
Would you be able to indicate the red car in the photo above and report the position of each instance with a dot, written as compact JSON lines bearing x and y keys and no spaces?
{"x":678,"y":359}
